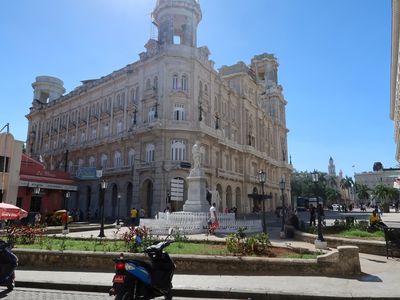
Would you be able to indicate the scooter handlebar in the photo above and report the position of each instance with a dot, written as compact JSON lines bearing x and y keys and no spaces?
{"x":158,"y":248}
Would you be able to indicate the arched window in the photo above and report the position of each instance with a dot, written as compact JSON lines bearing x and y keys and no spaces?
{"x":103,"y":161}
{"x":92,"y":161}
{"x":132,"y":96}
{"x":151,"y":114}
{"x":105,"y":130}
{"x":119,"y":127}
{"x":184,"y":83}
{"x":136,"y":94}
{"x":131,"y":157}
{"x":109,"y":104}
{"x":70,"y":166}
{"x":94,"y":133}
{"x":83,"y":136}
{"x":148,"y":84}
{"x":80,"y":162}
{"x":178,"y":150}
{"x":150,"y":152}
{"x":175,"y":82}
{"x":155,"y":83}
{"x":118,"y":103}
{"x":117,"y":159}
{"x":179,"y":112}
{"x":206,"y":89}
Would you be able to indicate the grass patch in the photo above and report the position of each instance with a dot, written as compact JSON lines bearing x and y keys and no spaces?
{"x":194,"y":248}
{"x":357,"y":233}
{"x":198,"y":248}
{"x":57,"y":244}
{"x":61,"y":244}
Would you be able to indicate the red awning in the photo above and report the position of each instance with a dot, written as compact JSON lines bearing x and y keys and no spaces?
{"x":45,"y":179}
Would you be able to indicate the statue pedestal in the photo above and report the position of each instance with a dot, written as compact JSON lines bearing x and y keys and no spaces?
{"x":197,"y":194}
{"x":321,"y":244}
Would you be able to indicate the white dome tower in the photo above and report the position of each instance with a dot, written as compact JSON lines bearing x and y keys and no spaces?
{"x":177,"y":21}
{"x":47,"y":89}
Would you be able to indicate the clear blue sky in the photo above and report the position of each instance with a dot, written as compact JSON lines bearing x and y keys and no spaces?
{"x":334,"y":62}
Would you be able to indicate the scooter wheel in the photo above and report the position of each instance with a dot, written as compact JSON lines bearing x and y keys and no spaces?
{"x":127,"y":296}
{"x":168,"y":296}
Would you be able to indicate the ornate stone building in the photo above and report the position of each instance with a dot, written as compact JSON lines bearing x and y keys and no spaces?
{"x":138,"y":124}
{"x":395,"y":75}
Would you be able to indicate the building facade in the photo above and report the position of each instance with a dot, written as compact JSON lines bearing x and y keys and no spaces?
{"x":138,"y":124}
{"x":395,"y":75}
{"x":10,"y":159}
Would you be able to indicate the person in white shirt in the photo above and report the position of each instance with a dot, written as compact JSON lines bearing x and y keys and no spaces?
{"x":214,"y":219}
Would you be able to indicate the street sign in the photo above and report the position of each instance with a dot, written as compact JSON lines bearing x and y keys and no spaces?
{"x":99,"y":173}
{"x":86,"y":173}
{"x":177,"y":189}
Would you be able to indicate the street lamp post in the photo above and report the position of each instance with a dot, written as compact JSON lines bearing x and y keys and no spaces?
{"x":119,"y":200}
{"x":261,"y":176}
{"x":320,"y":242}
{"x":103,"y":187}
{"x":282,"y":185}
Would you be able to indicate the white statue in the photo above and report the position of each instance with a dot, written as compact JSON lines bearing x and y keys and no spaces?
{"x":196,"y":153}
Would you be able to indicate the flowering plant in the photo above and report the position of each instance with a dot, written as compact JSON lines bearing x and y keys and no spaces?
{"x":137,"y":238}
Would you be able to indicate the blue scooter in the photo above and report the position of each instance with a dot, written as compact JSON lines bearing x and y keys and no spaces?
{"x":136,"y":279}
{"x":8,"y":264}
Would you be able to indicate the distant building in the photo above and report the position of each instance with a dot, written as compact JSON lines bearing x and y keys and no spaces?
{"x":10,"y":159}
{"x":139,"y":124}
{"x":395,"y":75}
{"x":331,"y":168}
{"x":383,"y":176}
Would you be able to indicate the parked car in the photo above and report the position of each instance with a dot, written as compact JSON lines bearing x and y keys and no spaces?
{"x":336,"y":207}
{"x":56,"y":217}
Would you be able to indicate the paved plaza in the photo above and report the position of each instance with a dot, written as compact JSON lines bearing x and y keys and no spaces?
{"x":379,"y":278}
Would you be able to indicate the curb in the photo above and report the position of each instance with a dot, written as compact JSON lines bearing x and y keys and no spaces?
{"x":192,"y":293}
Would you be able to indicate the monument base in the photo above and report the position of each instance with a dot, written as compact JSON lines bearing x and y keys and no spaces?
{"x":197,"y":195}
{"x":320,"y":244}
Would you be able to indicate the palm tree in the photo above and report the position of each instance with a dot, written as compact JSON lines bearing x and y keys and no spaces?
{"x":332,"y":195}
{"x":362,"y":191}
{"x":383,"y":193}
{"x":346,"y":184}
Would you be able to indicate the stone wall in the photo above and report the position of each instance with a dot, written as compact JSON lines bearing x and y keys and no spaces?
{"x":365,"y":246}
{"x":327,"y":264}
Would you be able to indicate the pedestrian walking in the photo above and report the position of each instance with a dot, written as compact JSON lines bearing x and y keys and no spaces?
{"x":134,"y":216}
{"x":213,"y":225}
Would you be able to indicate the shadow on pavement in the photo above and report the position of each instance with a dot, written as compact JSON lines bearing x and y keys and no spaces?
{"x":4,"y":293}
{"x":369,"y":278}
{"x":377,"y":260}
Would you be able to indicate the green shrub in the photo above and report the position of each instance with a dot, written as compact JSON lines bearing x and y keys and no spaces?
{"x":239,"y":244}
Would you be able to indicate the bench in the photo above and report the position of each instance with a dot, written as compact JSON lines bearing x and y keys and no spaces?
{"x":392,"y":239}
